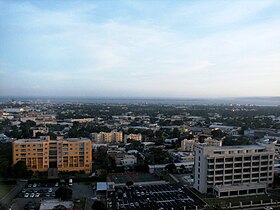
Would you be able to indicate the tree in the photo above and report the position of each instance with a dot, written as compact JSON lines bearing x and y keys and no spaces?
{"x":217,"y":133}
{"x":129,"y":183}
{"x":158,"y":156}
{"x":170,"y":167}
{"x":20,"y":170}
{"x":101,"y":158}
{"x":240,"y":141}
{"x":175,"y":133}
{"x":63,"y":193}
{"x":98,"y":205}
{"x":135,"y":145}
{"x":5,"y":159}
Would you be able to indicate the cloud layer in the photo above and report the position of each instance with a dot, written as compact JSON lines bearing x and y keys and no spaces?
{"x":140,"y":48}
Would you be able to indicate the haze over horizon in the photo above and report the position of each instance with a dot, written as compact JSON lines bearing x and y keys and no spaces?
{"x":185,"y":49}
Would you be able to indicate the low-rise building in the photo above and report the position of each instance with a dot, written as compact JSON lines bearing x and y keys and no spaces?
{"x":51,"y":204}
{"x":134,"y":137}
{"x":125,"y":160}
{"x":42,"y":130}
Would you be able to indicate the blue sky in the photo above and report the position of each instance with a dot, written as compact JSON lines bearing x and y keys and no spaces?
{"x":140,"y":48}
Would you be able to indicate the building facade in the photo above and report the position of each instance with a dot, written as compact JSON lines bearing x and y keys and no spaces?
{"x":107,"y":137}
{"x":73,"y":154}
{"x":134,"y":137}
{"x":125,"y":160}
{"x":233,"y":170}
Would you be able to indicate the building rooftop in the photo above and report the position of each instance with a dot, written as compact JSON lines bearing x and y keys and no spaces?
{"x":51,"y":204}
{"x":233,"y":147}
{"x":30,"y":140}
{"x":239,"y":186}
{"x":43,"y":140}
{"x":76,"y":139}
{"x":101,"y":186}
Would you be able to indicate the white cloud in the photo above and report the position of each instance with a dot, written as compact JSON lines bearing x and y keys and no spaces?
{"x":144,"y":58}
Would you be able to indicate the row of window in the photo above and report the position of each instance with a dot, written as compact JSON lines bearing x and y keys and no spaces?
{"x":238,"y":151}
{"x":240,"y":158}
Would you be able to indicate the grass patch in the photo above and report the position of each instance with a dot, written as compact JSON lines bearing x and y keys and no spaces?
{"x":5,"y":189}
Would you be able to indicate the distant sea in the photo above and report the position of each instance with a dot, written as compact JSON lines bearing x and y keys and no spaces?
{"x":258,"y":101}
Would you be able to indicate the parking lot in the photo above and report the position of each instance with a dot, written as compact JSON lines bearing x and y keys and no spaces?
{"x":39,"y":190}
{"x":160,"y":197}
{"x":32,"y":193}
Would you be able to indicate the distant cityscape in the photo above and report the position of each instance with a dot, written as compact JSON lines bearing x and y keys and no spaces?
{"x":138,"y":155}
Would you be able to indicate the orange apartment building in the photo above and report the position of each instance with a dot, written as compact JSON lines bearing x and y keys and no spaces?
{"x":72,"y":154}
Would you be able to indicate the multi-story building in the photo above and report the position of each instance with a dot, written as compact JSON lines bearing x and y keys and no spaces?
{"x":104,"y":137}
{"x":188,"y":144}
{"x":125,"y":160}
{"x":134,"y":137}
{"x":117,"y":136}
{"x":42,"y":130}
{"x":73,"y":154}
{"x":101,"y":137}
{"x":233,"y":170}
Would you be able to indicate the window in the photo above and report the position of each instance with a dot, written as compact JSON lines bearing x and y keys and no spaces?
{"x":219,"y":160}
{"x":264,"y":157}
{"x":256,"y":158}
{"x":238,"y":159}
{"x":247,"y":158}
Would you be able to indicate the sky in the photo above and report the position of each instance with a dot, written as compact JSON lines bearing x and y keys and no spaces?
{"x":148,"y":48}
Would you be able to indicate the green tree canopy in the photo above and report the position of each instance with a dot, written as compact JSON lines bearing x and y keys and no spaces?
{"x":63,"y":193}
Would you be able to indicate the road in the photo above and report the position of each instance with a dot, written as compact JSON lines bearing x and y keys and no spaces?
{"x":12,"y":194}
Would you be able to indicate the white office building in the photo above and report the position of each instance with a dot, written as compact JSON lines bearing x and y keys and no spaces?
{"x":233,"y":170}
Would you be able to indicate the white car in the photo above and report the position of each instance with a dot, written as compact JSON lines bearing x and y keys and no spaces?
{"x":37,"y":195}
{"x":34,"y":185}
{"x":56,"y":184}
{"x":26,"y":195}
{"x":32,"y":195}
{"x":50,"y":190}
{"x":268,"y":208}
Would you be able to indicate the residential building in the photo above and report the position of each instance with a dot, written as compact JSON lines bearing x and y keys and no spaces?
{"x":188,"y":144}
{"x":134,"y":137}
{"x":42,"y":130}
{"x":101,"y":137}
{"x":73,"y":154}
{"x":117,"y":136}
{"x":107,"y":137}
{"x":125,"y":160}
{"x":233,"y":170}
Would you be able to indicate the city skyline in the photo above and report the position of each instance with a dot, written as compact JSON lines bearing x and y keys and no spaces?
{"x":140,"y":48}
